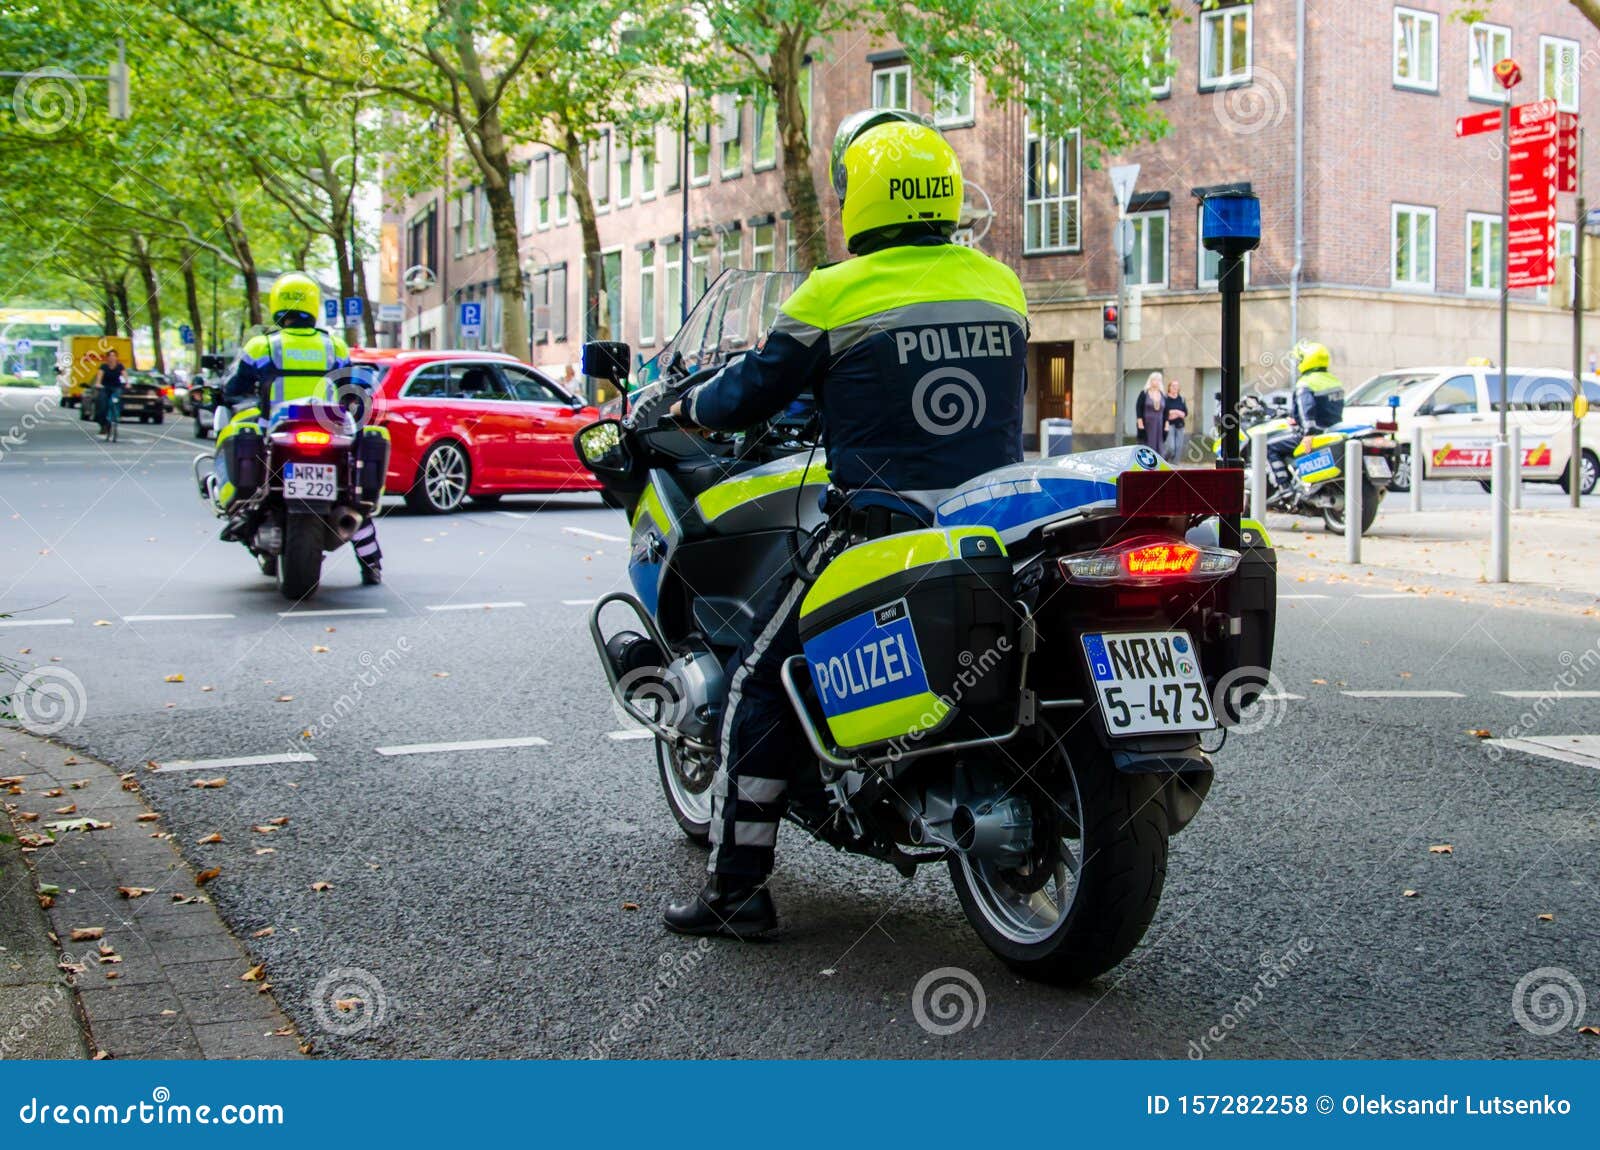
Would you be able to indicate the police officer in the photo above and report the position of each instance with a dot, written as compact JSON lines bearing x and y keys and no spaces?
{"x":293,"y":363}
{"x":1317,"y":405}
{"x":915,"y":352}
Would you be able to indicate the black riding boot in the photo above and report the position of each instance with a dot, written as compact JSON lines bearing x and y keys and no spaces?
{"x":729,"y":905}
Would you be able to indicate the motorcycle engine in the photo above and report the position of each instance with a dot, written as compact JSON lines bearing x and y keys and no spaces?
{"x":698,"y":684}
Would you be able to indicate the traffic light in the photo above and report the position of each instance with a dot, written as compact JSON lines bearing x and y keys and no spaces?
{"x":1108,"y":317}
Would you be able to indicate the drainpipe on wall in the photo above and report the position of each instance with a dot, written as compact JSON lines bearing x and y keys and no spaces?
{"x":1299,"y":170}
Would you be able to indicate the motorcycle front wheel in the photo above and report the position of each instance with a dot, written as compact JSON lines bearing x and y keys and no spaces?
{"x":1090,"y":888}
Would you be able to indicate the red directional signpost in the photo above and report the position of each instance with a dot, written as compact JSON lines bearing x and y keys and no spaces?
{"x":1531,"y":214}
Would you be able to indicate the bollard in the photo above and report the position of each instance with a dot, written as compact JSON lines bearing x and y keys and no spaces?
{"x":1516,"y":468}
{"x":1354,"y":476}
{"x":1416,"y":468}
{"x":1500,"y":526}
{"x":1258,"y":474}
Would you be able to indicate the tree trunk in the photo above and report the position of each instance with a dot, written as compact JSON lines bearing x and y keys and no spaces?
{"x":121,"y":290}
{"x":799,"y":187}
{"x":596,"y":321}
{"x":239,"y":241}
{"x":369,"y":319}
{"x":191,"y":293}
{"x":339,"y":233}
{"x":152,"y":299}
{"x":108,"y":309}
{"x":507,"y":253}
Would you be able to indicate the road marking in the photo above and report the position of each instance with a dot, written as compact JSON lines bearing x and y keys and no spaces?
{"x":1302,"y":596}
{"x":513,"y":514}
{"x":171,"y":618}
{"x":476,"y":606}
{"x":1583,"y":750}
{"x":1550,"y":694}
{"x":1403,"y":694}
{"x":470,"y":745}
{"x":1279,"y":697}
{"x":1385,"y":595}
{"x":35,"y":622}
{"x":333,"y":611}
{"x":629,"y":735}
{"x":576,"y":602}
{"x":594,"y":534}
{"x":240,"y":761}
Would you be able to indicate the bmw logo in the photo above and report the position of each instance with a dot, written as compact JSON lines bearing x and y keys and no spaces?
{"x":1180,"y":645}
{"x":1147,"y":459}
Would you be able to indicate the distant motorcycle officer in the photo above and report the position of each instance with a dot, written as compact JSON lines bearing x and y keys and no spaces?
{"x":1317,"y":405}
{"x":294,"y":362}
{"x":915,"y":352}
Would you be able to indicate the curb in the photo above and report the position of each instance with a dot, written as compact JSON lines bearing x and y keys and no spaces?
{"x":155,"y":975}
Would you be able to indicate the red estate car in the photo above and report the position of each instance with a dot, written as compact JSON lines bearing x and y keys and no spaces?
{"x":473,"y":423}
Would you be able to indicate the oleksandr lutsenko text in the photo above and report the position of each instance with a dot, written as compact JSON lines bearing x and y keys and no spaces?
{"x":1469,"y":1104}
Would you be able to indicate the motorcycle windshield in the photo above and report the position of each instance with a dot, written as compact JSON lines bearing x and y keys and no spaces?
{"x":733,"y":316}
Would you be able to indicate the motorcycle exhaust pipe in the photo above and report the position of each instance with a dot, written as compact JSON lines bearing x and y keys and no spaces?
{"x":998,"y":829}
{"x":346,"y":521}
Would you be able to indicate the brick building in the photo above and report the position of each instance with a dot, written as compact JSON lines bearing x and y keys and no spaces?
{"x":1398,"y":233}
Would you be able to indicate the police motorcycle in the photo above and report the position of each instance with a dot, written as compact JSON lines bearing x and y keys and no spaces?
{"x":296,"y":488}
{"x":1317,"y":468}
{"x":1011,"y":680}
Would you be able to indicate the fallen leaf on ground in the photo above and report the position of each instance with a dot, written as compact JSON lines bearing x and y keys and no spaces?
{"x":71,"y":967}
{"x":321,"y":886}
{"x":173,"y":679}
{"x":280,"y":821}
{"x":441,"y":674}
{"x":52,"y":793}
{"x":1409,"y":893}
{"x":264,"y":932}
{"x":264,"y":830}
{"x":113,"y":974}
{"x":346,"y":1005}
{"x":630,"y":906}
{"x":83,"y":824}
{"x":285,"y":699}
{"x":319,"y":649}
{"x":207,"y":875}
{"x":184,"y":899}
{"x":69,"y":809}
{"x":135,"y":891}
{"x":266,"y":850}
{"x":87,"y":933}
{"x":151,"y":765}
{"x":102,"y":622}
{"x":209,"y":784}
{"x":1592,"y":1031}
{"x":254,"y":974}
{"x":1480,"y":733}
{"x":213,"y":837}
{"x":1547,"y":918}
{"x":46,"y":901}
{"x":28,"y":816}
{"x":148,"y":817}
{"x":1442,"y":849}
{"x":11,"y":781}
{"x":208,"y":688}
{"x":70,"y":761}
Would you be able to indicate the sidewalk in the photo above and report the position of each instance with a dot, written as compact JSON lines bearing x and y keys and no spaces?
{"x":1555,"y":554}
{"x":110,"y":942}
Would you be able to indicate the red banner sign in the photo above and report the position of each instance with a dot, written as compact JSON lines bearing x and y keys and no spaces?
{"x":1531,"y":238}
{"x":1566,"y":151}
{"x":1520,"y":115}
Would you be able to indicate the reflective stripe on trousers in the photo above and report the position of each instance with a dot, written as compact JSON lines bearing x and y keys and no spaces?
{"x":365,"y":542}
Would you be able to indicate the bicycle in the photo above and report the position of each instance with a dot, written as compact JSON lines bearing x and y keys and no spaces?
{"x":113,"y":414}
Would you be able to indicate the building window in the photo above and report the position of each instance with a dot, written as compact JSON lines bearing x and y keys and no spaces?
{"x":730,"y":135}
{"x":558,"y":176}
{"x":699,"y":270}
{"x":1566,"y":237}
{"x":952,"y":103}
{"x":700,"y":156}
{"x":1483,"y":254}
{"x":1146,"y":264}
{"x":600,"y":171}
{"x":762,"y":249}
{"x":731,"y":250}
{"x":1051,"y":197}
{"x":1225,"y":47}
{"x":1488,"y":44}
{"x":1411,"y":247}
{"x":789,"y":245}
{"x":645,"y":158}
{"x":611,"y":301}
{"x":541,"y":191}
{"x":672,"y":269}
{"x":519,"y":196}
{"x":461,"y":224}
{"x":548,"y":300}
{"x":1210,"y":271}
{"x":672,"y":159}
{"x":485,"y":218}
{"x":422,"y":240}
{"x":1162,"y":88}
{"x":891,"y":87}
{"x":624,"y":174}
{"x":766,"y":126}
{"x":647,"y":297}
{"x":1416,"y":50}
{"x":1558,"y":72}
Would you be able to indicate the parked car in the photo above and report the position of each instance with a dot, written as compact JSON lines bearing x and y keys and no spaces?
{"x":143,"y":395}
{"x":1458,"y":409}
{"x":476,"y":425}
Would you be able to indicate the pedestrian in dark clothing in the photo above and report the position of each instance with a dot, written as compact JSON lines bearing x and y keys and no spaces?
{"x":1177,"y":414}
{"x":108,"y":382}
{"x":1150,"y":413}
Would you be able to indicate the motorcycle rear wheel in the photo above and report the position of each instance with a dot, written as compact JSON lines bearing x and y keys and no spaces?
{"x":1333,"y":517}
{"x":691,"y":808}
{"x":300,"y":564}
{"x":1109,"y":868}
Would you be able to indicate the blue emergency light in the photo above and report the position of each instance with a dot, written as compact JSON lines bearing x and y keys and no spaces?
{"x":1230,"y":219}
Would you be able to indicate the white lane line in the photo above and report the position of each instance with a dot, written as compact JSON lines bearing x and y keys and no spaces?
{"x":576,"y":602}
{"x":1582,"y":750}
{"x":333,"y":611}
{"x":470,"y":745}
{"x":513,"y":514}
{"x":586,"y":533}
{"x":476,"y":606}
{"x":35,"y":622}
{"x":1550,"y":694}
{"x":629,"y":735}
{"x":1302,"y":596}
{"x":1386,"y":595}
{"x":240,"y":761}
{"x":1280,"y":697}
{"x":172,"y":618}
{"x":1403,"y":694}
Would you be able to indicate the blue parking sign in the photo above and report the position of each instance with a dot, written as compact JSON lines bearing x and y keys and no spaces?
{"x":186,"y":334}
{"x":330,"y":310}
{"x":352,"y":308}
{"x":471,"y":320}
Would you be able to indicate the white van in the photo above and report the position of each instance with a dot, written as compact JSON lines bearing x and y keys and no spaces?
{"x":1458,"y":409}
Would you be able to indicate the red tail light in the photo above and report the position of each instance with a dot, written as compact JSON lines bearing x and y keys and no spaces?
{"x":1189,"y":491}
{"x":313,"y":438}
{"x":1389,"y":427}
{"x":1149,"y":560}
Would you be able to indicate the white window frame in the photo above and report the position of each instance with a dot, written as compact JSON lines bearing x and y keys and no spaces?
{"x":764,"y":106}
{"x":622,"y":288}
{"x":679,"y":170}
{"x":1488,"y":220}
{"x":770,"y":247}
{"x":699,"y":268}
{"x":1569,"y":232}
{"x":697,"y":137}
{"x":1415,"y":212}
{"x":1560,"y":42}
{"x":1139,"y":223}
{"x":558,"y":165}
{"x":1411,"y":83}
{"x":672,"y":286}
{"x":647,"y":311}
{"x":737,"y":236}
{"x":891,"y":76}
{"x":1202,"y":280}
{"x":730,"y":108}
{"x":1164,"y":89}
{"x":543,"y":207}
{"x":1231,"y":78}
{"x":645,"y":173}
{"x":624,"y":177}
{"x":942,"y":100}
{"x":485,"y":221}
{"x":522,"y":177}
{"x":597,"y":160}
{"x":1059,"y":201}
{"x":1490,"y":88}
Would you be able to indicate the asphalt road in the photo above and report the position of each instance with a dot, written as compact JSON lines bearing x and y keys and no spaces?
{"x":484,"y":895}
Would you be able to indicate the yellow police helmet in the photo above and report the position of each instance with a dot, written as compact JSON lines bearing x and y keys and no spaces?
{"x":890,"y":170}
{"x":295,"y":300}
{"x":1312,"y":356}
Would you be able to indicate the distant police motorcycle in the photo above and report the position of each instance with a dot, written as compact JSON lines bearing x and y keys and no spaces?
{"x":1010,"y":678}
{"x":1316,"y":483}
